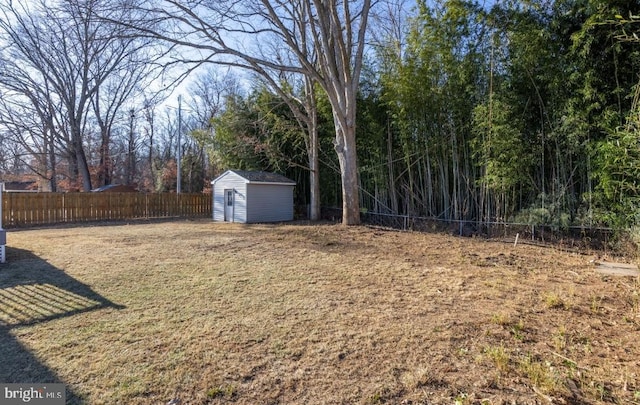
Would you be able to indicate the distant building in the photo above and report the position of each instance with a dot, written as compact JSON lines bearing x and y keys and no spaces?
{"x":246,"y":197}
{"x":23,"y":186}
{"x":115,"y":188}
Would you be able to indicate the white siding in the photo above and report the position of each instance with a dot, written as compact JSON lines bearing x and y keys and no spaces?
{"x":269,"y":202}
{"x":227,"y":181}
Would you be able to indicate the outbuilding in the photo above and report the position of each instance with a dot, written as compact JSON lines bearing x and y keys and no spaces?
{"x":251,"y":196}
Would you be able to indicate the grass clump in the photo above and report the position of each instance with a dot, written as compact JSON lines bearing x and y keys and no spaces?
{"x":499,"y":357}
{"x":501,"y":319}
{"x":228,"y":391}
{"x":416,"y":379}
{"x":596,"y":304}
{"x":560,"y":339}
{"x":383,"y":395}
{"x":462,"y":399}
{"x":552,"y":300}
{"x":542,"y":375}
{"x":517,"y":330}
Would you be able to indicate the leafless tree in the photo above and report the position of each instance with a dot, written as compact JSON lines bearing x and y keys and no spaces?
{"x":207,"y":93}
{"x":119,"y":90}
{"x":28,"y":122}
{"x":324,"y":39}
{"x":86,"y":65}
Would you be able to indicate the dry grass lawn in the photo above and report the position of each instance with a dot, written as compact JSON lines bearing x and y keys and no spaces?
{"x":204,"y":313}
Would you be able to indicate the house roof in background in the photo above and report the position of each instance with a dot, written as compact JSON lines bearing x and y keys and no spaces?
{"x":116,"y":188}
{"x":27,"y":185}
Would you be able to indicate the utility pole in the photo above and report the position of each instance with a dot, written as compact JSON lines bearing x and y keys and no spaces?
{"x":179,"y":180}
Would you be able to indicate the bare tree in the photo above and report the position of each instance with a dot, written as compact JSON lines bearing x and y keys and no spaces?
{"x":325,"y":38}
{"x":149,"y":106}
{"x":120,"y":89}
{"x":208,"y":92}
{"x":27,"y":116}
{"x":62,"y":46}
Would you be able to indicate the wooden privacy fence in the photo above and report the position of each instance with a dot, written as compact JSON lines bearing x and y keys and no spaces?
{"x":25,"y":209}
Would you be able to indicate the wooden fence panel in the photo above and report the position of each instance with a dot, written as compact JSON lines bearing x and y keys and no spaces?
{"x":29,"y":209}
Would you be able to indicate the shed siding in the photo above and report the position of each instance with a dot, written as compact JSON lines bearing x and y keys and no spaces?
{"x":269,"y":202}
{"x":238,"y":184}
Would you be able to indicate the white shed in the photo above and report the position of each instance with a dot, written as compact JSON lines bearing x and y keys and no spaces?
{"x":246,"y":196}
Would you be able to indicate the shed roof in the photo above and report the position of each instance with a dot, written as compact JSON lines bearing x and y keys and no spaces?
{"x":259,"y":177}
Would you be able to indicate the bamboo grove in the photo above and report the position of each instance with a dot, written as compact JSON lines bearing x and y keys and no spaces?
{"x":525,"y":111}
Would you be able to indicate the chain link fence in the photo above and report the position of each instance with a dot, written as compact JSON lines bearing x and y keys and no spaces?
{"x":571,"y":237}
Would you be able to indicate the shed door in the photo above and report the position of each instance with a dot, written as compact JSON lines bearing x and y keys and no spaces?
{"x":228,"y":205}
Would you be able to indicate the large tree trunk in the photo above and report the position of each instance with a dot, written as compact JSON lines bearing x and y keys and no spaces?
{"x":83,"y":166}
{"x":73,"y":174}
{"x":314,"y":175}
{"x":53,"y":182}
{"x":350,"y":192}
{"x":104,"y":169}
{"x":345,"y":145}
{"x":50,"y":151}
{"x":313,"y":145}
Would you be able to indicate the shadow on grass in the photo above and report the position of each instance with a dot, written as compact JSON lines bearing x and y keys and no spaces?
{"x":32,"y":291}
